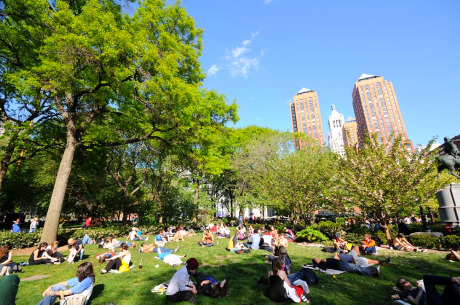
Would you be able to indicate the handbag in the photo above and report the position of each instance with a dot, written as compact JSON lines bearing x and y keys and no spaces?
{"x":76,"y":299}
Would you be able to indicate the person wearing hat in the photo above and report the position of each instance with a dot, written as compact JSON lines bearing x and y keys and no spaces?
{"x":181,"y":288}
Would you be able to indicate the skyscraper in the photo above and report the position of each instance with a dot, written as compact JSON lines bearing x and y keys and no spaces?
{"x":305,"y":115}
{"x":377,"y":110}
{"x":335,"y":137}
{"x":350,"y":132}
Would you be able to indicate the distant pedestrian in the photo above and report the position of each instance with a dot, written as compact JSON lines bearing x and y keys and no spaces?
{"x":33,"y":225}
{"x":87,"y":223}
{"x":16,"y":228}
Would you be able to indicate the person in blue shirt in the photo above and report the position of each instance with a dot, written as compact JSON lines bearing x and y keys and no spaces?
{"x":84,"y":280}
{"x":16,"y":228}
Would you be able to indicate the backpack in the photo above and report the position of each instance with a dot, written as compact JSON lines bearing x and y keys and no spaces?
{"x":310,"y":277}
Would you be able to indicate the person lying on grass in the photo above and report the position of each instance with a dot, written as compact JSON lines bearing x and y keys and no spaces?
{"x":144,"y":248}
{"x":354,"y":257}
{"x":82,"y":282}
{"x":426,"y":293}
{"x":337,"y":264}
{"x":209,"y":286}
{"x":453,"y":256}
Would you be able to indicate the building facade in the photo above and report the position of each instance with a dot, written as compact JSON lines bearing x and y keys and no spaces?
{"x":335,"y":137}
{"x":350,"y":132}
{"x":377,"y":110}
{"x":306,"y":116}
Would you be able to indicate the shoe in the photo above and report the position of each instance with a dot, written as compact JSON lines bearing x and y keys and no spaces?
{"x":385,"y":262}
{"x":177,"y":249}
{"x":378,"y":271}
{"x":147,"y":238}
{"x":103,"y":271}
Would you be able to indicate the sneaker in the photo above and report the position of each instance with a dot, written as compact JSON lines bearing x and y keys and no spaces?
{"x":103,"y":271}
{"x":177,"y":249}
{"x":377,"y":274}
{"x":147,"y":238}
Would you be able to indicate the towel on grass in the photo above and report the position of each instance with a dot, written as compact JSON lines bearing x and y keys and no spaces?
{"x":327,"y":271}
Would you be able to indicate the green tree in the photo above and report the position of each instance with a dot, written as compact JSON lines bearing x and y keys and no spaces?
{"x":385,"y":180}
{"x":110,"y":74}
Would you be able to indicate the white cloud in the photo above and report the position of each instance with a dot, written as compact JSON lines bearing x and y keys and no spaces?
{"x":268,"y":1}
{"x":213,"y":70}
{"x":238,"y":61}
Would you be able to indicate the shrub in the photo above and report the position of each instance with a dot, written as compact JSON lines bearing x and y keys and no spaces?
{"x":451,"y":242}
{"x":311,"y":235}
{"x":328,"y":228}
{"x":425,"y":241}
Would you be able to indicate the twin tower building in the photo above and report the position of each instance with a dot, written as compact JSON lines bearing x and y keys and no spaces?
{"x":376,"y":111}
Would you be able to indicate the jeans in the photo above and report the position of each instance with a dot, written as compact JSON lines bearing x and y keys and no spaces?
{"x":370,"y":250}
{"x":451,"y":294}
{"x":162,"y":250}
{"x":207,"y":245}
{"x":87,"y":240}
{"x":353,"y":268}
{"x":49,"y":300}
{"x":346,"y":258}
{"x":82,"y":252}
{"x":293,"y":277}
{"x":32,"y":230}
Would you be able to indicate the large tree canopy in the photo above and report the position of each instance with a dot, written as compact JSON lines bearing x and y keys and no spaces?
{"x":112,"y":78}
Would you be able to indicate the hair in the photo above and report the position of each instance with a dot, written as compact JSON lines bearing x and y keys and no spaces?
{"x":142,"y":245}
{"x":44,"y":244}
{"x":282,"y":248}
{"x":54,"y":244}
{"x":3,"y":251}
{"x":124,"y":246}
{"x":85,"y":270}
{"x":367,"y":235}
{"x":398,"y":284}
{"x":449,"y":256}
{"x":400,"y":235}
{"x":276,"y":265}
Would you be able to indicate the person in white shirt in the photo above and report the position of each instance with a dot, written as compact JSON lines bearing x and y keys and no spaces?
{"x":181,"y":288}
{"x":33,"y":225}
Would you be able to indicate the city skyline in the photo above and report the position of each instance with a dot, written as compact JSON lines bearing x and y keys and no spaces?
{"x":276,"y":48}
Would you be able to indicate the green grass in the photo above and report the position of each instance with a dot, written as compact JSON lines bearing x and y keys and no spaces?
{"x":244,"y":270}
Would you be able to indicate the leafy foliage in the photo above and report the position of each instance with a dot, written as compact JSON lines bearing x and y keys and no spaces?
{"x":311,"y":235}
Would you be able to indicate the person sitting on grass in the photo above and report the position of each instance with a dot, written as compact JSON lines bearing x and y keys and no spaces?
{"x":81,"y":284}
{"x":453,"y":256}
{"x":368,"y":244}
{"x":161,"y":239}
{"x":115,"y":262}
{"x":37,"y":256}
{"x":134,"y":235}
{"x":154,"y":249}
{"x":179,"y":236}
{"x":254,"y":240}
{"x":289,"y":234}
{"x":400,"y":243}
{"x":207,"y":240}
{"x":78,"y":246}
{"x":52,"y":251}
{"x":209,"y":286}
{"x":6,"y":260}
{"x":340,"y":244}
{"x":181,"y":288}
{"x":281,"y":241}
{"x":280,"y":288}
{"x":267,"y":239}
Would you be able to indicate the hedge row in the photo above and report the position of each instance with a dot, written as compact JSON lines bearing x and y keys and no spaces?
{"x":24,"y":240}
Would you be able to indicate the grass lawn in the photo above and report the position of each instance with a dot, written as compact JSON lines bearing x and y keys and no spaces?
{"x":243,"y":270}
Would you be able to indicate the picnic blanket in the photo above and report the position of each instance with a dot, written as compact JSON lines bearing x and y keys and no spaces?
{"x":327,"y":271}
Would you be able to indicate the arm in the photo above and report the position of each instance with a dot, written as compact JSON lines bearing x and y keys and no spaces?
{"x":457,"y":256}
{"x":79,"y":248}
{"x":9,"y":259}
{"x":48,"y":290}
{"x":283,"y":276}
{"x":417,"y":298}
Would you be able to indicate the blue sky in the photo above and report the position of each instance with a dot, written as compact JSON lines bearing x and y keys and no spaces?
{"x":262,"y":52}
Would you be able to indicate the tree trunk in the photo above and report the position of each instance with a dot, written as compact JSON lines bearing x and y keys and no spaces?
{"x":7,"y":158}
{"x":57,"y":198}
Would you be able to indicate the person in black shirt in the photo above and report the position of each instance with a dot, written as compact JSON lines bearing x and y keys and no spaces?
{"x":78,"y":246}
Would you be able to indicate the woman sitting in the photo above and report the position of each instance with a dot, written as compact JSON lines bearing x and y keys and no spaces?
{"x":52,"y":251}
{"x":281,"y":290}
{"x":6,"y":261}
{"x":115,"y":262}
{"x":179,"y":236}
{"x":81,"y":284}
{"x":39,"y":256}
{"x":340,"y":244}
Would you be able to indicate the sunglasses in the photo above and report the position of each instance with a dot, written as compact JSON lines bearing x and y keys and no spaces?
{"x":283,"y":253}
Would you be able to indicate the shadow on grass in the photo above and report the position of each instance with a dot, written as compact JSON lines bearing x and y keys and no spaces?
{"x":97,"y":291}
